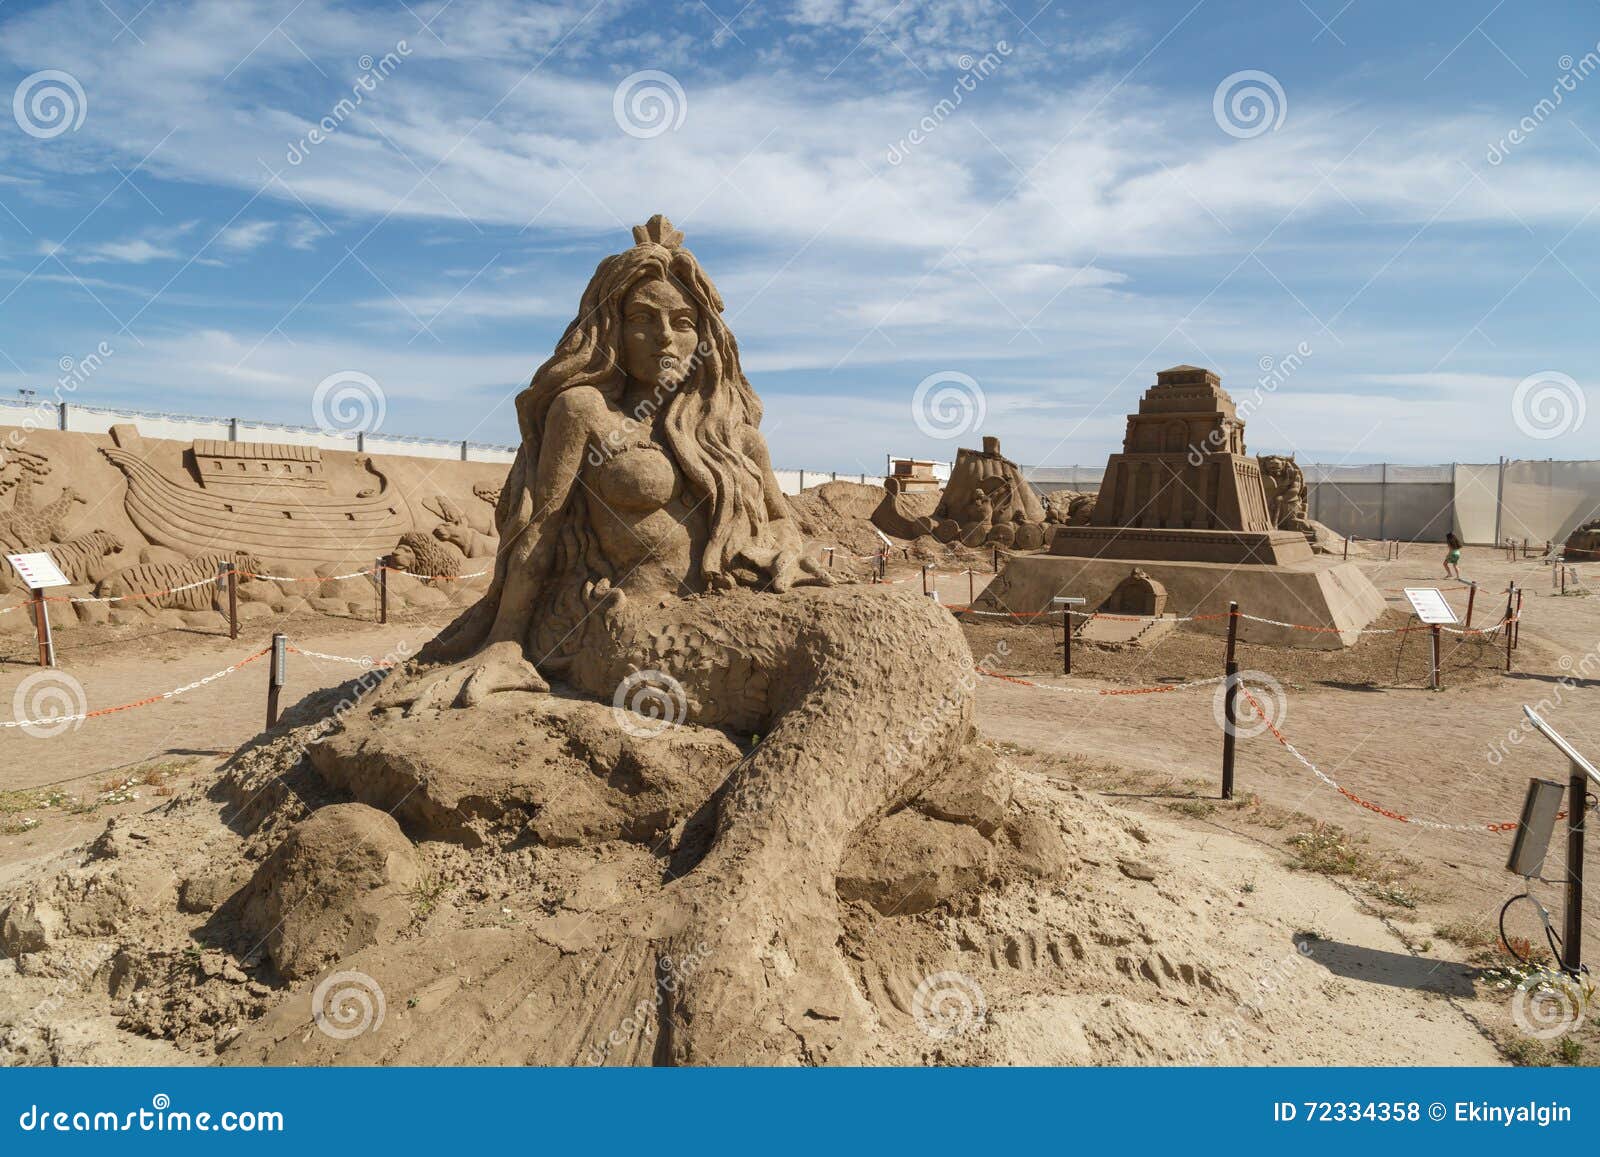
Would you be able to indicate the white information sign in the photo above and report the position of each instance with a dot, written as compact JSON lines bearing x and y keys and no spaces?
{"x":1430,"y":606}
{"x":38,"y":570}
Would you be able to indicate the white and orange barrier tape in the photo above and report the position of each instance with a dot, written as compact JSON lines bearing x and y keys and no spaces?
{"x":58,"y":720}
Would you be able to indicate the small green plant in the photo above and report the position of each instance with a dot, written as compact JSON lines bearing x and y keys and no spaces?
{"x":1569,"y":1051}
{"x":1525,"y":1051}
{"x":425,"y":896}
{"x":1396,"y":895}
{"x":1195,"y":809}
{"x":1468,"y":934}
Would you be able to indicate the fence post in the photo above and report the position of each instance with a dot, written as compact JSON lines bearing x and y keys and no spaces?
{"x":972,"y":588}
{"x":228,"y":577}
{"x":1511,"y":594}
{"x":1572,"y":923}
{"x":1066,"y":640}
{"x":41,"y":624}
{"x":1472,"y":595}
{"x":1230,"y":702}
{"x":924,"y":578}
{"x":1383,"y":499}
{"x":61,"y":414}
{"x":380,"y":577}
{"x":830,"y":558}
{"x":997,"y":558}
{"x":1499,"y":496}
{"x":1434,"y":680}
{"x":464,"y":449}
{"x":1516,"y":626}
{"x":276,"y":674}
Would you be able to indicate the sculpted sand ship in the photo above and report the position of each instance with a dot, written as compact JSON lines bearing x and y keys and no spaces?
{"x":301,"y":520}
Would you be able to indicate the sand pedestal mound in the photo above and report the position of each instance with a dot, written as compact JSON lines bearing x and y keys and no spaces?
{"x":1003,"y":918}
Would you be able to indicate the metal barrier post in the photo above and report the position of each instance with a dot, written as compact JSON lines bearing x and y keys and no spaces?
{"x":1577,"y":813}
{"x":1435,"y":633}
{"x":1472,"y":594}
{"x":276,"y":674}
{"x":1230,"y":702}
{"x":41,"y":623}
{"x":380,"y":575}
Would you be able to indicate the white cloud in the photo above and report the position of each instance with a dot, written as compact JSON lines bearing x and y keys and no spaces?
{"x":245,"y":236}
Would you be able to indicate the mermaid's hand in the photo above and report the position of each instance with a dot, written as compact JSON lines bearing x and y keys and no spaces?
{"x":792,"y":567}
{"x":498,"y":667}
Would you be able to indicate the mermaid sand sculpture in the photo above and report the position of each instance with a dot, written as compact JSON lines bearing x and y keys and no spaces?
{"x":642,"y":535}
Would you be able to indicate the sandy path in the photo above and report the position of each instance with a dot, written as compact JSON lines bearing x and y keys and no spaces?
{"x":208,"y":722}
{"x":1437,"y":756}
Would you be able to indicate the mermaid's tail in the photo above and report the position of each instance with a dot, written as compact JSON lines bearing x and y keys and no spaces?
{"x":870,"y":698}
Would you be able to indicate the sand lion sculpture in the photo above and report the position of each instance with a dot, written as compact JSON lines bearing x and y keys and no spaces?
{"x":643,"y":536}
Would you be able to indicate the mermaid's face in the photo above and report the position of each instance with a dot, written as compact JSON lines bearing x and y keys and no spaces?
{"x":660,"y":330}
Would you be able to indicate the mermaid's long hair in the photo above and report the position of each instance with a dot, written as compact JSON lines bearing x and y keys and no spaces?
{"x":707,"y":417}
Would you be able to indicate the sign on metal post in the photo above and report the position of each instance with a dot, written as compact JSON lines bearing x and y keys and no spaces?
{"x":1431,"y":609}
{"x":40,"y":572}
{"x":1580,"y":774}
{"x":1430,"y":606}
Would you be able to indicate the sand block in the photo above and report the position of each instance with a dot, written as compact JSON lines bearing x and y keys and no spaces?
{"x":1325,"y":593}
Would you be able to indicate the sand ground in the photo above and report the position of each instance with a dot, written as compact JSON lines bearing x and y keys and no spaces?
{"x":1435,"y":756}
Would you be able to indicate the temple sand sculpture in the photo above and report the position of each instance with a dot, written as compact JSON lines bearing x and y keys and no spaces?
{"x":1185,"y":506}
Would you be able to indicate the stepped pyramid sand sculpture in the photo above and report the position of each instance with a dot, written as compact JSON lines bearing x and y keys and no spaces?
{"x":1186,"y":503}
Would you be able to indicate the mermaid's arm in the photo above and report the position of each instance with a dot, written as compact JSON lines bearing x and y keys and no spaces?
{"x":530,"y":549}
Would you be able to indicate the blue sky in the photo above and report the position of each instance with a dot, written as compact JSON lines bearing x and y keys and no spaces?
{"x":1082,"y":219}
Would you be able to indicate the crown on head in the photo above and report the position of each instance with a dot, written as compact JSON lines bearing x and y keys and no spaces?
{"x":657,"y":231}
